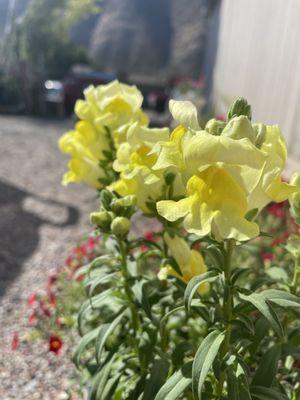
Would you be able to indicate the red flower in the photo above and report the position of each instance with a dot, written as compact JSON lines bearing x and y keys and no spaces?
{"x":280,"y":239}
{"x":220,"y":117}
{"x":15,"y":341}
{"x":148,"y":236}
{"x":45,"y":309}
{"x":72,"y":262}
{"x":267,"y":256}
{"x":51,"y":298}
{"x":55,"y":344}
{"x":60,"y":321}
{"x":32,"y":319}
{"x":52,"y":279}
{"x":32,"y":299}
{"x":197,"y":246}
{"x":83,"y":250}
{"x":91,"y":243}
{"x":277,"y":210}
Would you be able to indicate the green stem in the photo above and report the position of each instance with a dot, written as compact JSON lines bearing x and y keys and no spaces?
{"x":123,"y":252}
{"x":227,"y":309}
{"x":296,"y":277}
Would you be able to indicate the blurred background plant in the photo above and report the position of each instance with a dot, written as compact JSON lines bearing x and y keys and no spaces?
{"x":38,"y":47}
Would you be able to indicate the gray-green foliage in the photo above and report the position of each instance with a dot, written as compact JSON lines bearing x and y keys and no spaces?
{"x":145,"y":339}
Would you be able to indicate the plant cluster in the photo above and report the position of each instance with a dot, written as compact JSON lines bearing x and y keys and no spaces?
{"x":52,"y":311}
{"x":187,"y":313}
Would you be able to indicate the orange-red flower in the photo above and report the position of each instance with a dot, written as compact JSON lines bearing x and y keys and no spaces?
{"x":55,"y":344}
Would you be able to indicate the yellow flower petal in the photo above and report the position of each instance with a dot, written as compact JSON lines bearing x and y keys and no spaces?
{"x":185,"y":113}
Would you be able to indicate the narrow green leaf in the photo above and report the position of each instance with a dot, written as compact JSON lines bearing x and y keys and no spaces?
{"x":267,"y":368}
{"x":281,"y":298}
{"x":263,"y":393}
{"x":176,"y":384}
{"x":203,"y":360}
{"x":90,"y":304}
{"x":164,"y":319}
{"x":141,"y":296}
{"x":158,"y":375}
{"x":238,"y":272}
{"x":83,"y":343}
{"x":266,"y":309}
{"x":101,"y":380}
{"x":110,"y":387}
{"x":238,"y":388}
{"x":99,"y":281}
{"x":98,"y":262}
{"x":215,"y":255}
{"x":104,"y":332}
{"x":193,"y":285}
{"x":81,"y":271}
{"x":244,"y":320}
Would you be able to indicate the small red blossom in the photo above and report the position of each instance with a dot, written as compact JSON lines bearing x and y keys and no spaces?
{"x":45,"y":309}
{"x":52,"y":279}
{"x":32,"y":299}
{"x":197,"y":246}
{"x":55,"y":344}
{"x":15,"y":341}
{"x":149,"y":235}
{"x":72,"y":262}
{"x":60,"y":321}
{"x":277,"y":210}
{"x":32,"y":319}
{"x":267,"y":256}
{"x":280,"y":239}
{"x":220,"y":117}
{"x":91,"y":243}
{"x":51,"y":298}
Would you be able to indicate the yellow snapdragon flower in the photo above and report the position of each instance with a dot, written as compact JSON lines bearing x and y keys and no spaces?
{"x":105,"y":114}
{"x":250,"y":158}
{"x":114,"y":106}
{"x":135,"y":161}
{"x":85,"y":145}
{"x":190,"y":262}
{"x":215,"y":204}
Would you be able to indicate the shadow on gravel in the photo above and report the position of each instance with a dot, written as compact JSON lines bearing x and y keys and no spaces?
{"x":21,"y":215}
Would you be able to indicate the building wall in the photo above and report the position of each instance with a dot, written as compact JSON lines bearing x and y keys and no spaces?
{"x":258,"y":57}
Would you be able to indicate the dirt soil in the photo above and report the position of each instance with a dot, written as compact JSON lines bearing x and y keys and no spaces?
{"x":39,"y":221}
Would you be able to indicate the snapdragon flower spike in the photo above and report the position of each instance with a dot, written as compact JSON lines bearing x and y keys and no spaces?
{"x":227,"y":169}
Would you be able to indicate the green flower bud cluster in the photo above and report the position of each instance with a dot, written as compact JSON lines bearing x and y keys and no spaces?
{"x":238,"y":125}
{"x":114,"y":214}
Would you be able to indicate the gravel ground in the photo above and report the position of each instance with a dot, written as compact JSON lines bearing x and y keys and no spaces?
{"x":39,"y":222}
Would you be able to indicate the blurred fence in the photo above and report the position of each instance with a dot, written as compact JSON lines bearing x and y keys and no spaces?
{"x":258,"y":57}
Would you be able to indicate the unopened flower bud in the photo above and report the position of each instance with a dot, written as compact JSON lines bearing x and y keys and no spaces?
{"x":123,"y":206}
{"x":106,"y":198}
{"x":239,"y":128}
{"x":239,"y":107}
{"x":120,"y":226}
{"x":260,"y":131}
{"x":102,"y":219}
{"x":215,"y":127}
